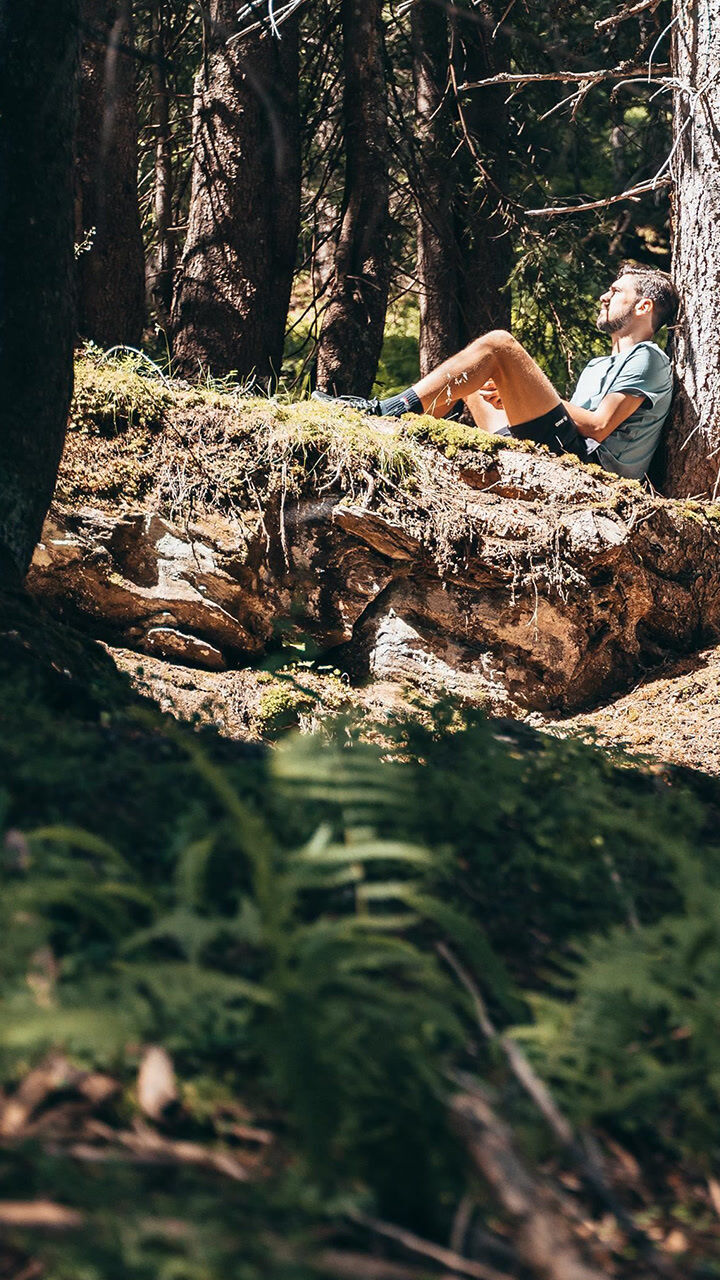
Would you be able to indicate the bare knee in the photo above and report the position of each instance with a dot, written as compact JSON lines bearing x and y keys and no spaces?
{"x":497,"y":342}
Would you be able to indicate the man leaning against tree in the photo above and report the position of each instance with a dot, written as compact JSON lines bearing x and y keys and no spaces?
{"x":621,"y":401}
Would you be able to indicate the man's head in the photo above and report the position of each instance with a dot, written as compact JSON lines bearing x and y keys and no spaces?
{"x":640,"y":299}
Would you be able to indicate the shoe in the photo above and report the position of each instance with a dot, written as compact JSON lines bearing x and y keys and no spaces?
{"x":371,"y":407}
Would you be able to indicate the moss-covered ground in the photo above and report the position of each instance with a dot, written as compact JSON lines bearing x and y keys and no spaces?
{"x":188,"y":448}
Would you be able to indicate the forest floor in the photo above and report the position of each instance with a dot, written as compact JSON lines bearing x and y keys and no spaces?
{"x":672,"y":714}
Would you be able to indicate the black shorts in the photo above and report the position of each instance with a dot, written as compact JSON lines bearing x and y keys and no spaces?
{"x":555,"y":429}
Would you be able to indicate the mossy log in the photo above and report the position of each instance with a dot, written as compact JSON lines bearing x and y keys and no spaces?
{"x":416,"y":550}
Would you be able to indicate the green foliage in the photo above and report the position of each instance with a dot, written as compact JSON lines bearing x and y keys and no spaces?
{"x":273,"y":919}
{"x":547,"y":833}
{"x":634,"y":1039}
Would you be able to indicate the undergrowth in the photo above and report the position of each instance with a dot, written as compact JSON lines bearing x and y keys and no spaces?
{"x":273,"y":921}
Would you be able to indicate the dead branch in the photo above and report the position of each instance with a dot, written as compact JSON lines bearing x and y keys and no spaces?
{"x":271,"y":23}
{"x":524,"y":1073}
{"x":38,"y":1215}
{"x":585,"y":1158}
{"x":629,"y":11}
{"x":520,"y":79}
{"x":143,"y":1146}
{"x":543,"y":1237}
{"x":426,"y":1249}
{"x":633,"y":193}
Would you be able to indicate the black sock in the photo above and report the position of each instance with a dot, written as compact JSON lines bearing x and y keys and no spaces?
{"x":406,"y":402}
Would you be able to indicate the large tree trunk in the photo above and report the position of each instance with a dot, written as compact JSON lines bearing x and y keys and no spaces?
{"x":111,"y":302}
{"x":693,"y":437}
{"x":353,"y":325}
{"x":233,"y":292}
{"x":38,"y":62}
{"x":484,"y":245}
{"x":162,"y":259}
{"x":437,"y":258}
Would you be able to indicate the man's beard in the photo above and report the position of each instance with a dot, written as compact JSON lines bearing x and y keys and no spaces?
{"x":614,"y":326}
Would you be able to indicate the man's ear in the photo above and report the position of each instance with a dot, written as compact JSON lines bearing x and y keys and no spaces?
{"x":643,"y":306}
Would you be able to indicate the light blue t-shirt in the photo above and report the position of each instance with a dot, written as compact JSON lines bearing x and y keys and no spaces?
{"x":646,"y":371}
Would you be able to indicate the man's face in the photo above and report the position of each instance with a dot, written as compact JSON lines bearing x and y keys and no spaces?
{"x":617,"y":305}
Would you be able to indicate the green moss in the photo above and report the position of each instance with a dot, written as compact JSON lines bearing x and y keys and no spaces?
{"x":281,"y":707}
{"x":451,"y":437}
{"x":111,"y":395}
{"x":696,"y":510}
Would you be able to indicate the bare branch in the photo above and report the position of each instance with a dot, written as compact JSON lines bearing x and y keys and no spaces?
{"x":520,"y":79}
{"x":518,"y":1063}
{"x":633,"y":193}
{"x":274,"y":19}
{"x":607,"y":24}
{"x":426,"y":1249}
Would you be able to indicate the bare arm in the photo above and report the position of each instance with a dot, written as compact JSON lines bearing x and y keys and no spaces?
{"x":598,"y":424}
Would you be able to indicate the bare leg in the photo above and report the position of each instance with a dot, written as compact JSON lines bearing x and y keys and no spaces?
{"x":485,"y":415}
{"x":525,"y":390}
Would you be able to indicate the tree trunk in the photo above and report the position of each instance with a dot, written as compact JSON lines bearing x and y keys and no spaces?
{"x":484,"y":245}
{"x":38,"y":64}
{"x":437,"y":261}
{"x":111,"y":273}
{"x":162,"y":260}
{"x":233,"y":292}
{"x":692,"y":464}
{"x":353,"y":325}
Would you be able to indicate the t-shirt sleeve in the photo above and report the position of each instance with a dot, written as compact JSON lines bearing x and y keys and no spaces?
{"x":644,"y":373}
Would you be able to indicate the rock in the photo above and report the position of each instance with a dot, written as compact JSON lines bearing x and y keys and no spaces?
{"x":498,"y":574}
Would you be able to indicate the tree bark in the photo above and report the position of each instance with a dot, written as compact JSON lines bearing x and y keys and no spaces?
{"x":111,"y":273}
{"x":38,"y":64}
{"x":233,"y":291}
{"x":692,"y":463}
{"x":484,"y":245}
{"x":353,"y":324}
{"x":161,"y":264}
{"x":437,"y":257}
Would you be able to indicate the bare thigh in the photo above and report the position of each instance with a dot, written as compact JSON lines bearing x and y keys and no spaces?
{"x":525,"y":390}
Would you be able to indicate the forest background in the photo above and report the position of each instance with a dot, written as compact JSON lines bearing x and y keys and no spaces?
{"x":339,"y":1009}
{"x":347,"y":158}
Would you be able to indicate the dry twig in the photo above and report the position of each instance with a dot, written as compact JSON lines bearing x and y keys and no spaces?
{"x":426,"y":1249}
{"x":520,"y":79}
{"x":629,"y":11}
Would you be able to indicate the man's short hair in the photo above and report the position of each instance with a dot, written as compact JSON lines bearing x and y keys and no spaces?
{"x":658,"y":287}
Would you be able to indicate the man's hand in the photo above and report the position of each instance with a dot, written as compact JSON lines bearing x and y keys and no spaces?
{"x":490,"y":393}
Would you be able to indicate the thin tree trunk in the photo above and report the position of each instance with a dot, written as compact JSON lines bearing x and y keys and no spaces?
{"x":111,"y":274}
{"x":437,"y":262}
{"x":692,"y":463}
{"x":38,"y":65}
{"x":232,"y":296}
{"x":484,"y":245}
{"x":162,"y":260}
{"x":353,"y":325}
